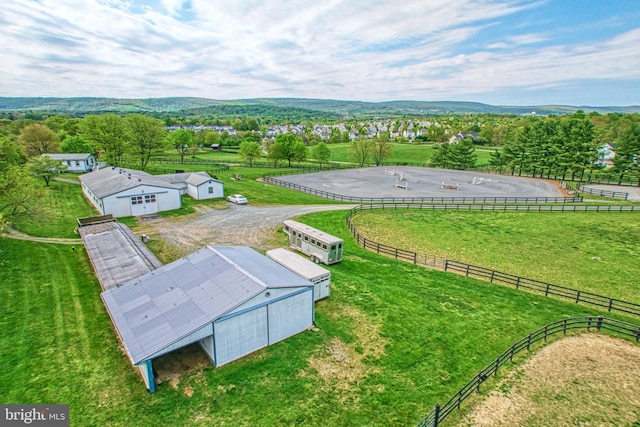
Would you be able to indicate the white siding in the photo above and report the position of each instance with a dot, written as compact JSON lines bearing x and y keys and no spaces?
{"x":201,"y":192}
{"x":240,"y":335}
{"x":290,"y":316}
{"x":119,"y":204}
{"x":207,"y":346}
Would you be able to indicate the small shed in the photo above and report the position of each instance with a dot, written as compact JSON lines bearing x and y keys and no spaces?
{"x":76,"y":162}
{"x":231,"y":300}
{"x":198,"y":185}
{"x":319,"y":276}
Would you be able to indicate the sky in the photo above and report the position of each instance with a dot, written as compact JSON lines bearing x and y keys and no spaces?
{"x":500,"y":52}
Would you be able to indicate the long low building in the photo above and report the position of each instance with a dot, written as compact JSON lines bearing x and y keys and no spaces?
{"x":231,"y":300}
{"x":128,"y":192}
{"x":319,"y":276}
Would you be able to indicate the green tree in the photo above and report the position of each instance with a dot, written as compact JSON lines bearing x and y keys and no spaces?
{"x":275,"y":153}
{"x":436,"y":133}
{"x":321,"y":153}
{"x":300,"y":151}
{"x":462,"y":154}
{"x":107,"y":134}
{"x":146,"y":137}
{"x":249,"y":151}
{"x":10,"y":154}
{"x":45,"y":167}
{"x":75,"y":144}
{"x":290,"y":147}
{"x":38,"y":139}
{"x":181,"y":140}
{"x":380,"y":150}
{"x":360,"y":150}
{"x":627,"y":158}
{"x":440,"y":157}
{"x":20,"y":196}
{"x":211,"y":138}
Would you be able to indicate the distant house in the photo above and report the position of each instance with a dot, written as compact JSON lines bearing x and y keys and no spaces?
{"x":76,"y":162}
{"x":606,"y":154}
{"x":216,"y":147}
{"x":129,"y":192}
{"x":462,"y":135}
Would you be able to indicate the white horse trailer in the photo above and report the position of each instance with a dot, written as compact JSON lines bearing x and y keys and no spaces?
{"x":320,"y":246}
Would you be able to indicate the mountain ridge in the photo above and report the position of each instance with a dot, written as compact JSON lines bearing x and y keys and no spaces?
{"x":354,"y":109}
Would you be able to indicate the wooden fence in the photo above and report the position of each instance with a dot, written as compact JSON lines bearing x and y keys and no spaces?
{"x":603,"y":193}
{"x":599,"y":323}
{"x":476,"y":200}
{"x":494,"y":276}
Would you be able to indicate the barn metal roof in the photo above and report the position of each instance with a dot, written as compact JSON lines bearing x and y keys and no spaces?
{"x":192,"y":178}
{"x":112,"y":180}
{"x":298,"y":264}
{"x":161,"y":307}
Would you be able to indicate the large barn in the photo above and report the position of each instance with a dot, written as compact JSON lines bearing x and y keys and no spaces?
{"x":128,"y":192}
{"x":231,"y":300}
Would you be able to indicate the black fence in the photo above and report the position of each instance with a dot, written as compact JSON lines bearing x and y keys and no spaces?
{"x":476,"y":200}
{"x":603,"y":193}
{"x":599,"y":323}
{"x":494,"y":276}
{"x":163,"y":171}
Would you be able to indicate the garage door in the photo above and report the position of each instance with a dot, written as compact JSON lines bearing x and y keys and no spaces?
{"x":240,"y":335}
{"x":142,"y":205}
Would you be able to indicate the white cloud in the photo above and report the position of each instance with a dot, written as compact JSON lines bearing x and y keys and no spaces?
{"x":345,"y":49}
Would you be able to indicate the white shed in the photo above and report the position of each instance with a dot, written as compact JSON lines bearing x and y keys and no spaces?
{"x":231,"y":300}
{"x":319,"y":276}
{"x":128,"y":192}
{"x":198,"y":185}
{"x":76,"y":162}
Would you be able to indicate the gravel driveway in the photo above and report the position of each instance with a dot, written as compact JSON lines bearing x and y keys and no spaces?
{"x":238,"y":225}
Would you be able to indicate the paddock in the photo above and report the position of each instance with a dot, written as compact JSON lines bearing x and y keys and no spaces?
{"x":377,"y":182}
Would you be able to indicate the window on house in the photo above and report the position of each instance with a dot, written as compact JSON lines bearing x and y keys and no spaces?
{"x":136,"y":200}
{"x":210,"y":190}
{"x":150,"y":198}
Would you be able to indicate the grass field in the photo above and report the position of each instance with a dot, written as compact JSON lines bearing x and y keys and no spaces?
{"x":595,"y":252}
{"x":394,"y":339}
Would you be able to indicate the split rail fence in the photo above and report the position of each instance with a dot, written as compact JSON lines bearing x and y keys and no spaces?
{"x":494,"y":276}
{"x":599,"y":323}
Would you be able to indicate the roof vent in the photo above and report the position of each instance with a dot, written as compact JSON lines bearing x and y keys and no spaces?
{"x":170,"y":288}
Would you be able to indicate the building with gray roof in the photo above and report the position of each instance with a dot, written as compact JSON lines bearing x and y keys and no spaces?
{"x":230,"y":300}
{"x":76,"y":162}
{"x":129,"y":192}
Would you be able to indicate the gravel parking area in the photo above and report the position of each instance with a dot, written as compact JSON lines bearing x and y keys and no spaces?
{"x":244,"y":225}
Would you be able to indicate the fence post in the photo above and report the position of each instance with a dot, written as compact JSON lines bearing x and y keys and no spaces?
{"x":610,"y":304}
{"x":518,"y":284}
{"x":446,"y":264}
{"x":436,"y":419}
{"x":468,"y":266}
{"x":599,"y":324}
{"x":493,"y":272}
{"x":578,"y":297}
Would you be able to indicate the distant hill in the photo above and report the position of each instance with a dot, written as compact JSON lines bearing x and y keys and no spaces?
{"x":294,"y":107}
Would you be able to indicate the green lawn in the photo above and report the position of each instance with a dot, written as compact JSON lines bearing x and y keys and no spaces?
{"x":405,"y":153}
{"x":65,"y":204}
{"x":394,"y":339}
{"x":595,"y":252}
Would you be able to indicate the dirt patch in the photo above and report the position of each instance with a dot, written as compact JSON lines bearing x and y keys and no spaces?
{"x":341,"y":366}
{"x":171,"y":367}
{"x":594,"y":375}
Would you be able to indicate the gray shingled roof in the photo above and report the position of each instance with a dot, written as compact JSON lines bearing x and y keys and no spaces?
{"x":154,"y":311}
{"x":296,"y":263}
{"x":112,"y":180}
{"x":68,"y":156}
{"x":193,"y":178}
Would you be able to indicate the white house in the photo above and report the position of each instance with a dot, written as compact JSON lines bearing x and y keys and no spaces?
{"x":128,"y":192}
{"x":606,"y":154}
{"x":76,"y":162}
{"x":231,"y":300}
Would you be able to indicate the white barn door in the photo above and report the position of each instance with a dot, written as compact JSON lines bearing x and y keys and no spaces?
{"x":142,"y":205}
